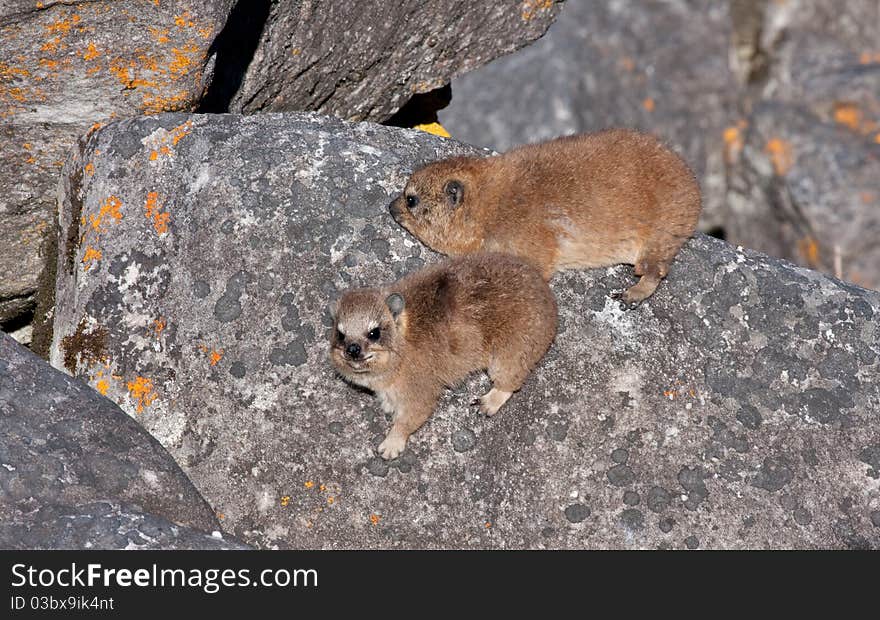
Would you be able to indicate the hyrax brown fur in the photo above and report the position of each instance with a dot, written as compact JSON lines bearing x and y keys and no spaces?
{"x":408,"y":340}
{"x":591,"y":200}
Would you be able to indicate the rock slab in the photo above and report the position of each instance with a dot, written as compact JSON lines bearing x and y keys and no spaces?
{"x":77,"y":472}
{"x":737,"y":408}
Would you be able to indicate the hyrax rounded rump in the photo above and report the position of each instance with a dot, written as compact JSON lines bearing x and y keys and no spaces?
{"x":590,"y":200}
{"x":409,"y":340}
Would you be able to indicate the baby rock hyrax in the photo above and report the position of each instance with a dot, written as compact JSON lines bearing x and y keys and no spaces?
{"x":591,"y":200}
{"x":408,"y":340}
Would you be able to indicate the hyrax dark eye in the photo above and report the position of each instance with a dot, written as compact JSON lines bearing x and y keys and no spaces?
{"x":374,"y":334}
{"x":340,"y":336}
{"x":412,"y":201}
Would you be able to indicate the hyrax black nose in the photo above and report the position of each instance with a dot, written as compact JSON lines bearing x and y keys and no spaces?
{"x":353,"y":350}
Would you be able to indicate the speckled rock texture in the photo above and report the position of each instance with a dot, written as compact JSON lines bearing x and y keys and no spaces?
{"x":363,"y":60}
{"x":105,"y":525}
{"x":659,"y":66}
{"x":65,"y":66}
{"x":736,"y":408}
{"x":76,"y":472}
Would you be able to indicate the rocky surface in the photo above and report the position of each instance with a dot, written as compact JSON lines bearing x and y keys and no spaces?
{"x":363,"y":60}
{"x":804,"y":181}
{"x":659,"y":66}
{"x":737,"y":408}
{"x":76,"y":472}
{"x":104,"y":525}
{"x":791,"y":86}
{"x":64,"y":68}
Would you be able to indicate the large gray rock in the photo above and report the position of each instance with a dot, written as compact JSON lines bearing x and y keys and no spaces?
{"x":104,"y":525}
{"x":659,"y":66}
{"x":76,"y":472}
{"x":804,"y":182}
{"x":808,"y":190}
{"x":738,"y":407}
{"x":65,"y":66}
{"x":363,"y":60}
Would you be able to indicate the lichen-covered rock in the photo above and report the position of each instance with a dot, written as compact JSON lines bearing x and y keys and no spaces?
{"x":364,"y":60}
{"x":659,"y":66}
{"x":65,"y":66}
{"x":804,"y":181}
{"x":737,"y":407}
{"x":808,"y":191}
{"x":64,"y":449}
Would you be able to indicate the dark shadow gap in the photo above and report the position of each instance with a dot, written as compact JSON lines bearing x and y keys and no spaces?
{"x":235,"y":47}
{"x":421,"y":108}
{"x":718,"y":232}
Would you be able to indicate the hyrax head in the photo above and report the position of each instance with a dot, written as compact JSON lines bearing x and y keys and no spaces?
{"x":433,"y":205}
{"x":367,"y":333}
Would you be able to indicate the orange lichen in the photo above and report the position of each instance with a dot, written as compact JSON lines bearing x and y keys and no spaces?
{"x":183,"y":20}
{"x":488,"y":524}
{"x":61,"y":26}
{"x":322,"y":488}
{"x":670,"y":394}
{"x":161,"y":35}
{"x":91,"y":52}
{"x":330,"y":500}
{"x":90,"y":168}
{"x":141,"y":389}
{"x":530,"y":8}
{"x":648,"y":104}
{"x":154,"y":155}
{"x":182,"y":60}
{"x":308,"y":484}
{"x":285,"y":500}
{"x":102,"y":386}
{"x":374,"y":519}
{"x":95,"y":127}
{"x":153,"y":212}
{"x":808,"y":248}
{"x":180,"y":131}
{"x":848,"y":114}
{"x":158,"y":326}
{"x":216,"y":356}
{"x":91,"y":256}
{"x":110,"y":208}
{"x":780,"y":153}
{"x":627,"y":64}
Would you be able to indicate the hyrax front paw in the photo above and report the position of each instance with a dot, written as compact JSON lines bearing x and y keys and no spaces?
{"x":491,"y":401}
{"x":626,"y":300}
{"x":392,"y":447}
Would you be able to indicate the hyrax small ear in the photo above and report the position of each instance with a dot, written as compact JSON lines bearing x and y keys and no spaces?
{"x":395,"y":303}
{"x":454,"y":191}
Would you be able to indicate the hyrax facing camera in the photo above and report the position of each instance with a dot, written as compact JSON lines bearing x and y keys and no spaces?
{"x":583,"y":201}
{"x":411,"y":339}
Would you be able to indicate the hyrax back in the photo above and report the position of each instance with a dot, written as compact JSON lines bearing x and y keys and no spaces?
{"x":590,"y":200}
{"x":408,"y":340}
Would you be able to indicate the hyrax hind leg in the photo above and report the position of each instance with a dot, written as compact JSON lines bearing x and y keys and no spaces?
{"x":507,"y":370}
{"x":651,"y":266}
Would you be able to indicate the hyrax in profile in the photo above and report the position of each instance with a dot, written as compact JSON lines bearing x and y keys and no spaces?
{"x":591,"y":200}
{"x":408,"y":340}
